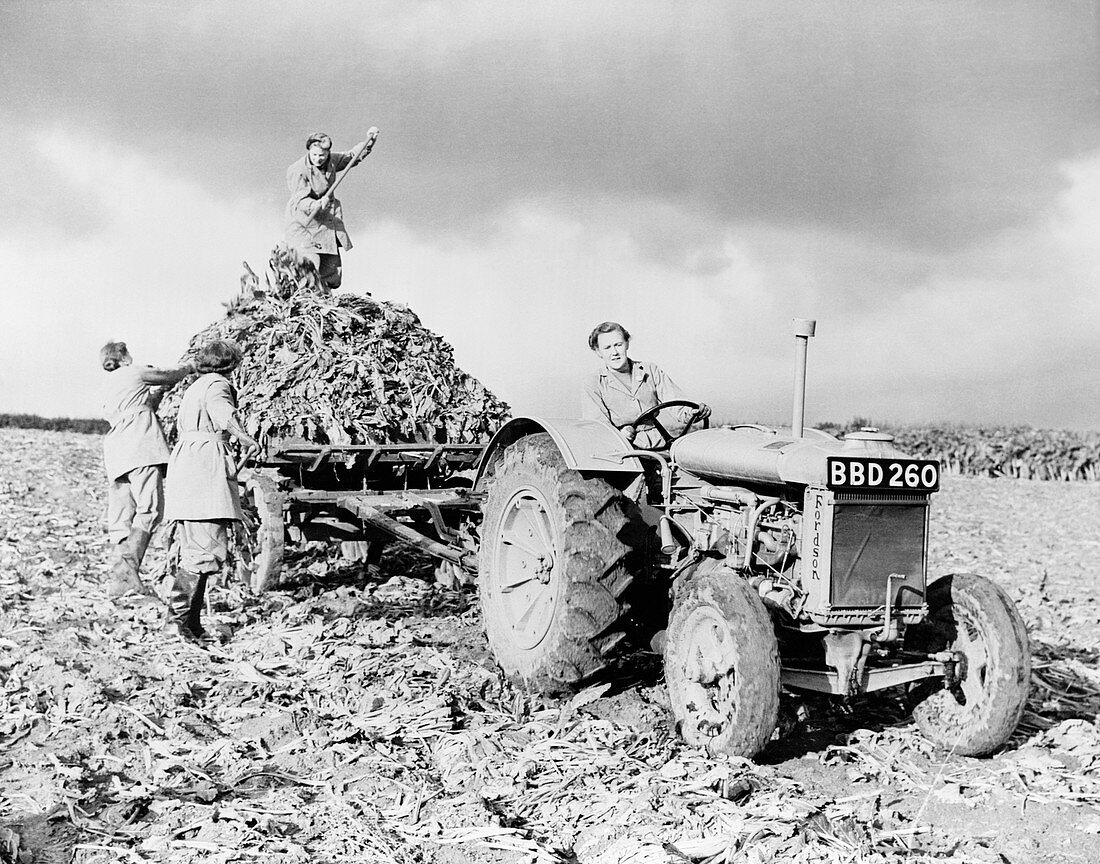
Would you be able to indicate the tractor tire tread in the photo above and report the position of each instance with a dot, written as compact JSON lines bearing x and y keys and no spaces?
{"x":595,"y":559}
{"x":983,"y":728}
{"x":755,"y":685}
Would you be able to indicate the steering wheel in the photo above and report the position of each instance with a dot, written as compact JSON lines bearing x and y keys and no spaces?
{"x":650,"y":416}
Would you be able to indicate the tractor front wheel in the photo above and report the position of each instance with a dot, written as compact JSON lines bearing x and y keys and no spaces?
{"x":722,"y":663}
{"x":974,"y":619}
{"x":553,"y":567}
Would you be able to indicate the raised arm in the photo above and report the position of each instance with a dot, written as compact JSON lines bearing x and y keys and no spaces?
{"x":362,"y":150}
{"x":159,"y":377}
{"x":341,"y":159}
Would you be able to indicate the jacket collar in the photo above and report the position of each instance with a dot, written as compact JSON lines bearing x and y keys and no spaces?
{"x":638,"y":374}
{"x":638,"y":370}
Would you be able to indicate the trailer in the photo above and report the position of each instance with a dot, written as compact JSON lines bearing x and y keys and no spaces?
{"x":421,"y":494}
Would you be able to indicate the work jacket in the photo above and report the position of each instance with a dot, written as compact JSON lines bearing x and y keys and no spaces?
{"x":309,"y":226}
{"x":202,"y":476}
{"x":604,"y":397}
{"x":136,"y":438}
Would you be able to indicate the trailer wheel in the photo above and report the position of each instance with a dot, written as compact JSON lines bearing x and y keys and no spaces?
{"x":553,"y":568}
{"x":973,"y":617}
{"x":722,"y":663}
{"x":260,"y":555}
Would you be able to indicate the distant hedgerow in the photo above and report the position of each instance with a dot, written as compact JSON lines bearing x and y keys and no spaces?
{"x":984,"y":451}
{"x":996,"y":451}
{"x":54,"y":424}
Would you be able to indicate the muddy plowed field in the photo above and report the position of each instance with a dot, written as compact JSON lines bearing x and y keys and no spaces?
{"x":355,"y":715}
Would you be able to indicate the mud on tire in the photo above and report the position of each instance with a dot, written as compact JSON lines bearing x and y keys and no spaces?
{"x":553,"y":567}
{"x":971,"y":615}
{"x":722,"y":663}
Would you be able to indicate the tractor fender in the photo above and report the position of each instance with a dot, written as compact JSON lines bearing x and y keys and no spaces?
{"x":586,"y":445}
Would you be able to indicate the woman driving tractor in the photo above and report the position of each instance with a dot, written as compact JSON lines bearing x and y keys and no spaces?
{"x":625,"y":392}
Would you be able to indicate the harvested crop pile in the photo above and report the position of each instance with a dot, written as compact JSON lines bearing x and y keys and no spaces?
{"x":341,"y":369}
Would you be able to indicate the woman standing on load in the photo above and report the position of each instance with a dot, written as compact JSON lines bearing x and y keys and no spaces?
{"x":314,"y":218}
{"x":134,"y":454}
{"x":202,"y":497}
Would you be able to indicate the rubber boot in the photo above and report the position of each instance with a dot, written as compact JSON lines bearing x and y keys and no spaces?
{"x":139,"y":542}
{"x":184,"y":583}
{"x":123,"y":570}
{"x":194,"y":609}
{"x":127,"y":565}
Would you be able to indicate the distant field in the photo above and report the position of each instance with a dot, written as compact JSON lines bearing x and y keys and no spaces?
{"x":54,"y":424}
{"x":997,"y":451}
{"x":977,"y":451}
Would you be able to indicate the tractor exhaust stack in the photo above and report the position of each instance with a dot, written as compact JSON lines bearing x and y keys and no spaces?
{"x":803,"y":330}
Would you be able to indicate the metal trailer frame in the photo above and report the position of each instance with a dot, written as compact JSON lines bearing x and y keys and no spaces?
{"x":371,"y":492}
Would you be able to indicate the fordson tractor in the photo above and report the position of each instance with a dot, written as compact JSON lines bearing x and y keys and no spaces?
{"x":768,"y":558}
{"x":754,"y":558}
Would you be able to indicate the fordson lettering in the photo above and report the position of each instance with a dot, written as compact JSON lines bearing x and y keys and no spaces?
{"x":815,"y":553}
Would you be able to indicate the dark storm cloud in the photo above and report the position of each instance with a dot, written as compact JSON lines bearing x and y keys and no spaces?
{"x":924,"y":124}
{"x":876,"y":118}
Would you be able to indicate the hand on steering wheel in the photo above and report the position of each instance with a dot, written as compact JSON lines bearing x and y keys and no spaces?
{"x":702,"y":412}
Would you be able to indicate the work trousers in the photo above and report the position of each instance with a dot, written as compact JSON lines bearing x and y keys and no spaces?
{"x":328,"y":267}
{"x":202,"y":547}
{"x":135,"y":500}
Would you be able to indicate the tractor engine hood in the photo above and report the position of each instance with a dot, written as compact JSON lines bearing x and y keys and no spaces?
{"x":761,"y":454}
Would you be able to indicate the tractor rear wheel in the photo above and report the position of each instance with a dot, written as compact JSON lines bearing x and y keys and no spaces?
{"x":553,"y":567}
{"x":974,"y":618}
{"x":260,"y":549}
{"x":722,"y":663}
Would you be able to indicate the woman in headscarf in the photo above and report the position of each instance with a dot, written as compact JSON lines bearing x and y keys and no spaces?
{"x":202,"y":497}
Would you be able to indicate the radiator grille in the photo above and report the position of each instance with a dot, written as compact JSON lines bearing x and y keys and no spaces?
{"x":873,"y":537}
{"x":879,"y":498}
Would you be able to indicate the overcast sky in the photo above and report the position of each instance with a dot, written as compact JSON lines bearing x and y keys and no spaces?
{"x":923,"y":178}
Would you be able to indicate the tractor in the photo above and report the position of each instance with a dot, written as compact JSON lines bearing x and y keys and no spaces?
{"x":760,"y":559}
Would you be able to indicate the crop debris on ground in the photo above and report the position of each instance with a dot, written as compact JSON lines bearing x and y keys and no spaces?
{"x":355,"y":715}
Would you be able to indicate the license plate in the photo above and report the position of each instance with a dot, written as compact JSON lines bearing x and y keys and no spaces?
{"x":867,"y":474}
